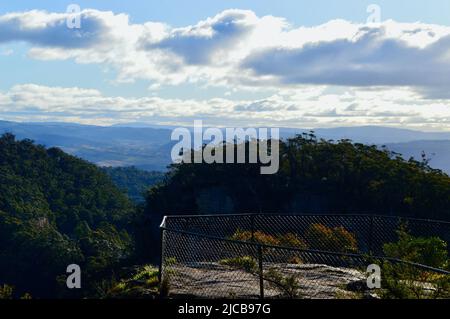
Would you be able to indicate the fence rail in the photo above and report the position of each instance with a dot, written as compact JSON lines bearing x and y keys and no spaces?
{"x":293,"y":256}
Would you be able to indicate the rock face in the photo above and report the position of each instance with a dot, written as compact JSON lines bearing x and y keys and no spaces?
{"x":314,"y":281}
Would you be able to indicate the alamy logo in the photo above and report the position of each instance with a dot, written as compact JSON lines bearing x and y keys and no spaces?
{"x":374,"y":278}
{"x":375,"y":13}
{"x":73,"y":20}
{"x":74,"y":279}
{"x":257,"y":141}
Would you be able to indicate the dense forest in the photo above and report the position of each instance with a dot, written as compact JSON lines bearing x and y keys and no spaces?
{"x":315,"y":176}
{"x":56,"y":210}
{"x":133,"y":181}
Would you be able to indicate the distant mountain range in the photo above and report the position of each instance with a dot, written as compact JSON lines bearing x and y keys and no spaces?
{"x":438,"y":152}
{"x":378,"y":134}
{"x":145,"y":148}
{"x":148,"y":147}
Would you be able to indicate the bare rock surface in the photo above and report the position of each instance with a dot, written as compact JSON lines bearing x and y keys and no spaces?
{"x":212,"y":280}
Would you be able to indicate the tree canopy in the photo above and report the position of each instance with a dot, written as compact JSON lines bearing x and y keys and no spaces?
{"x":315,"y":176}
{"x":56,"y":210}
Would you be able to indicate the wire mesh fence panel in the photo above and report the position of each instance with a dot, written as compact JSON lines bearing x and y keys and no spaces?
{"x":316,"y":231}
{"x":385,"y":230}
{"x":307,"y":274}
{"x":219,"y":225}
{"x":429,"y":228}
{"x":296,"y":256}
{"x":207,"y":268}
{"x":369,"y":232}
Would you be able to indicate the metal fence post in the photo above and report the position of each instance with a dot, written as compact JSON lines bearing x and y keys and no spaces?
{"x":161,"y":261}
{"x":261,"y":272}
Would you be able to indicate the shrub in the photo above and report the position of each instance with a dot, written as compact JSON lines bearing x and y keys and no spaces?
{"x":26,"y":296}
{"x":397,"y":282}
{"x":147,"y":274}
{"x":344,"y":240}
{"x":246,"y":263}
{"x":442,"y":285}
{"x":287,"y":284}
{"x":258,"y":236}
{"x":266,"y":239}
{"x":336,"y":239}
{"x":292,"y":240}
{"x":431,"y":251}
{"x":242,"y":235}
{"x":287,"y":240}
{"x":143,"y":282}
{"x":6,"y":292}
{"x":295,"y":260}
{"x":405,"y":281}
{"x":170,"y":261}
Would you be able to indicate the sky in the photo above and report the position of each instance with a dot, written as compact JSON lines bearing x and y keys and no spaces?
{"x":303,"y":64}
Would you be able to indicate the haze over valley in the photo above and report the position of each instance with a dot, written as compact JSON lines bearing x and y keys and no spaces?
{"x":148,"y":147}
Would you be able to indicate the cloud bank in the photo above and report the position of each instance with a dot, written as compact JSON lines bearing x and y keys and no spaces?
{"x":301,"y":107}
{"x":337,"y":73}
{"x":236,"y":47}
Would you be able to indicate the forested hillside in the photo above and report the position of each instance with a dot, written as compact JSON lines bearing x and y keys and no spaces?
{"x":148,"y":148}
{"x":315,"y":176}
{"x":55,"y":210}
{"x":133,"y":181}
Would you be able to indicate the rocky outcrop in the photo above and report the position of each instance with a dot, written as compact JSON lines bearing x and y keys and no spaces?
{"x":212,"y":280}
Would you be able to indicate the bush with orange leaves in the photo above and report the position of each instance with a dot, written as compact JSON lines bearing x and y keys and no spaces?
{"x":285,"y":240}
{"x":336,"y":239}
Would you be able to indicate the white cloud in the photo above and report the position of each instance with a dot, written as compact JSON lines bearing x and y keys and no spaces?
{"x":206,"y":42}
{"x":372,"y":57}
{"x":237,"y":48}
{"x":50,"y":29}
{"x":337,"y":73}
{"x":303,"y":107}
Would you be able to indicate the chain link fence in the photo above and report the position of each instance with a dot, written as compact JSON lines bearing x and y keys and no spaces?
{"x":295,"y":256}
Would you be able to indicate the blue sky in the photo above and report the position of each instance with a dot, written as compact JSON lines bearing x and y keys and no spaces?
{"x":280,"y":63}
{"x":300,"y":12}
